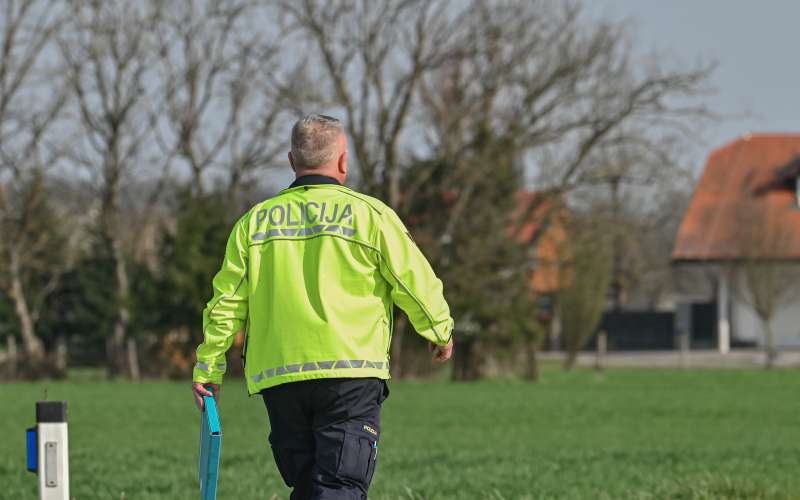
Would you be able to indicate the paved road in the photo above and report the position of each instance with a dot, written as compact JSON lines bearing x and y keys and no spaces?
{"x":737,"y":358}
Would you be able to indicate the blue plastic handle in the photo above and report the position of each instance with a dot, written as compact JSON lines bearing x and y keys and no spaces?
{"x":32,"y":442}
{"x":210,"y":445}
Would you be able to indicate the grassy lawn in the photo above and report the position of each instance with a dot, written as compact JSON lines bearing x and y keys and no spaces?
{"x":636,"y":434}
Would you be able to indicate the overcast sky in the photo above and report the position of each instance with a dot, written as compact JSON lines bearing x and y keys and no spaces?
{"x":754,"y":42}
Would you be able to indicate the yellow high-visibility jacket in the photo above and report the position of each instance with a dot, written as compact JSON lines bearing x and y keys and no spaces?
{"x":312,"y":275}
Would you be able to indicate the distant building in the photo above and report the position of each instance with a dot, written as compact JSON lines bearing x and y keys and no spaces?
{"x":746,"y":208}
{"x":544,"y":226}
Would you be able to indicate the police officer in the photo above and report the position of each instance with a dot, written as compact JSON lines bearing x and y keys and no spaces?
{"x":312,"y":275}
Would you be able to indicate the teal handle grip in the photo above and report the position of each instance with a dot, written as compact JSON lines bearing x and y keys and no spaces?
{"x":210,"y":447}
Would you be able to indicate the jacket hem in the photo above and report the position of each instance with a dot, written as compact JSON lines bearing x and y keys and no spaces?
{"x":255,"y":387}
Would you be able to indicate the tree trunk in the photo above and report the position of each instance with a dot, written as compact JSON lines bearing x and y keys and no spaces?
{"x":115,"y":348}
{"x":11,"y":352}
{"x":393,"y":187}
{"x":34,"y":348}
{"x":532,"y":361}
{"x":572,"y":357}
{"x":616,"y":247}
{"x":133,"y":359}
{"x":466,"y":361}
{"x":772,"y":354}
{"x":112,"y":356}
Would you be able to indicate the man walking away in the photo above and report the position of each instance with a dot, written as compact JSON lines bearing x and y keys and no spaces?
{"x":312,"y":275}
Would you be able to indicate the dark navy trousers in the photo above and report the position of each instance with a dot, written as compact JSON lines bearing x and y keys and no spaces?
{"x":324,"y":435}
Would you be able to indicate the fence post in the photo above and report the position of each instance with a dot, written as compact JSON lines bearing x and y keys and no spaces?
{"x":683,"y":340}
{"x":12,"y":353}
{"x":61,"y":356}
{"x":600,"y":359}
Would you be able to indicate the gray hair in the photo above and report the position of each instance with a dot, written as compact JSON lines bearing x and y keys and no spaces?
{"x":314,"y":140}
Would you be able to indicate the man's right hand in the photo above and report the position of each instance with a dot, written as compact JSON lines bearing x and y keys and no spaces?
{"x":199,"y":390}
{"x":441,"y":353}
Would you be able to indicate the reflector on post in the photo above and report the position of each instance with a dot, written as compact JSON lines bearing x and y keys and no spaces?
{"x":31,"y":449}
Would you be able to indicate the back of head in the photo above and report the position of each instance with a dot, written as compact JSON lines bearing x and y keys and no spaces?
{"x":315,"y":141}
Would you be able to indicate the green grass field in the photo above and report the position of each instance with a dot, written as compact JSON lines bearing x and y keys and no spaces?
{"x":636,"y":434}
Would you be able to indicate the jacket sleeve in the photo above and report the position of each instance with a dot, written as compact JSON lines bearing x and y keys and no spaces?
{"x":226,"y":313}
{"x":415,"y":287}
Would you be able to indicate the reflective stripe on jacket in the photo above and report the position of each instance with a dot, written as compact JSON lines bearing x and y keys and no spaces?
{"x":312,"y":274}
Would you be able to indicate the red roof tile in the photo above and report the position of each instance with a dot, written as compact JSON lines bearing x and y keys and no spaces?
{"x":741,"y":179}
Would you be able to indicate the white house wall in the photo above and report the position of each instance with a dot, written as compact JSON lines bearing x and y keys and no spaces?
{"x":787,"y":326}
{"x":746,"y":326}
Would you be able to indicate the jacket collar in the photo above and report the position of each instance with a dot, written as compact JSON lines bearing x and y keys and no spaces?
{"x":312,"y":179}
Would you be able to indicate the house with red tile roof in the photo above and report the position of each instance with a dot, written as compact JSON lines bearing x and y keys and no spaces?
{"x":745,"y":209}
{"x":544,"y":226}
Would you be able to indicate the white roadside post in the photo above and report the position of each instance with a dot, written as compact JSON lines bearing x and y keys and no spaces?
{"x":723,"y":314}
{"x":51,"y":449}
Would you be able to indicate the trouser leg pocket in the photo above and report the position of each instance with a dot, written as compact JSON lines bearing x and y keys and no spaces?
{"x":359,"y":455}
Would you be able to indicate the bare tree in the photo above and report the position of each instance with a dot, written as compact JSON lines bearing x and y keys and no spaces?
{"x":30,"y":101}
{"x":562,"y":93}
{"x":108,"y":53}
{"x":217,"y":82}
{"x":558,"y":92}
{"x":561,"y":96}
{"x":582,"y":300}
{"x":762,"y":276}
{"x":372,"y":56}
